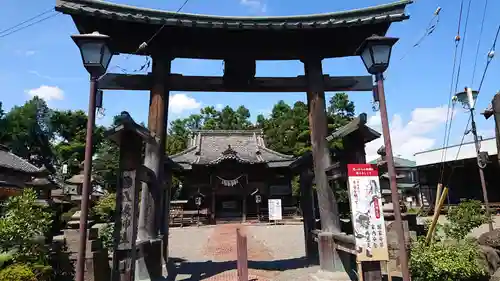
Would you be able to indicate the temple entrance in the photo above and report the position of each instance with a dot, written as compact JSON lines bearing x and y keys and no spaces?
{"x":224,"y":173}
{"x":228,"y":208}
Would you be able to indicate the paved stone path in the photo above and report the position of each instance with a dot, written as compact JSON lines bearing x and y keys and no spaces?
{"x":209,"y":253}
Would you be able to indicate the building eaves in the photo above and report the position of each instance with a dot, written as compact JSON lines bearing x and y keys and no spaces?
{"x":11,"y":161}
{"x":358,"y":123}
{"x":382,"y":13}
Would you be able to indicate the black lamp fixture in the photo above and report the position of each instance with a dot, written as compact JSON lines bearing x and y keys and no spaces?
{"x":375,"y":52}
{"x":95,"y":52}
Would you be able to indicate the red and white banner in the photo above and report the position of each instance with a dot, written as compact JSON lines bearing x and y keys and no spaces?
{"x":367,"y":215}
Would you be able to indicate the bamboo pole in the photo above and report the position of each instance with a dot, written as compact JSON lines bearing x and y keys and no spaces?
{"x":438,"y":195}
{"x":435,"y":218}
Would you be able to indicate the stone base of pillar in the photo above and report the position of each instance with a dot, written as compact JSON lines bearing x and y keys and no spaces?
{"x":330,"y":276}
{"x":149,"y":263}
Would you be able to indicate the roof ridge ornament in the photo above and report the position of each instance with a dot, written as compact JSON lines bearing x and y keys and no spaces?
{"x":229,"y":151}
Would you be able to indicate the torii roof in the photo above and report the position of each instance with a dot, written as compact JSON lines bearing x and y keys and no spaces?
{"x":218,"y":37}
{"x":209,"y":147}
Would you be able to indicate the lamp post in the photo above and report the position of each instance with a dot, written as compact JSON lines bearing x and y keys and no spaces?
{"x":375,"y":52}
{"x":96,"y":56}
{"x":468,"y":100}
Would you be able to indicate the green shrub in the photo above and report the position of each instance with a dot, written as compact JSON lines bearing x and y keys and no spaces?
{"x":451,"y":256}
{"x":17,"y":272}
{"x":413,"y":211}
{"x":23,"y":227}
{"x":66,"y":217}
{"x":446,"y":261}
{"x":105,"y":208}
{"x":61,"y":264}
{"x":462,"y":219}
{"x":106,"y":236}
{"x":6,"y":258}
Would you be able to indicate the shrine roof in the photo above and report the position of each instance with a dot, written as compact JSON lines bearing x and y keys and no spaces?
{"x":356,"y":126}
{"x":9,"y":160}
{"x":208,"y":36}
{"x":211,"y":147}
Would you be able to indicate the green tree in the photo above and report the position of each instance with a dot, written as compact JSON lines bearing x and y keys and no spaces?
{"x":22,"y":225}
{"x":70,"y":129}
{"x":27,"y":132}
{"x":287,"y":128}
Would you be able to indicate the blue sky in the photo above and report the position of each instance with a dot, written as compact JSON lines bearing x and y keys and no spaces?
{"x":43,"y":60}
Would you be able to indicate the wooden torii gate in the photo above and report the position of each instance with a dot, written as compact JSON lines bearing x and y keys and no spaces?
{"x":239,"y":42}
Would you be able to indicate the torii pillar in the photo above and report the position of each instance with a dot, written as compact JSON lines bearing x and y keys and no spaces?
{"x":328,"y":208}
{"x":150,"y":216}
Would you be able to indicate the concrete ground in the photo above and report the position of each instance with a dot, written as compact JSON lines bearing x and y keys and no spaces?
{"x":275,"y":252}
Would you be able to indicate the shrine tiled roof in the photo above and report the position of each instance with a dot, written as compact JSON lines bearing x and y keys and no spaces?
{"x":244,"y":146}
{"x":103,"y":9}
{"x":9,"y":160}
{"x":358,"y":124}
{"x":187,"y":35}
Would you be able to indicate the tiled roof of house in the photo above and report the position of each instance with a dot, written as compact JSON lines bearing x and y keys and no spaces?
{"x":8,"y":160}
{"x":213,"y":147}
{"x":398,"y":162}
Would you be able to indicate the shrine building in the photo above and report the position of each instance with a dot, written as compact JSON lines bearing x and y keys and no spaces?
{"x":229,"y":170}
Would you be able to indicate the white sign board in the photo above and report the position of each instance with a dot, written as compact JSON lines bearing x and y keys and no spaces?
{"x":274,"y":206}
{"x":367,"y":215}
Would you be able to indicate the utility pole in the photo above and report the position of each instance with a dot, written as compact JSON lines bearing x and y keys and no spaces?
{"x":468,"y":100}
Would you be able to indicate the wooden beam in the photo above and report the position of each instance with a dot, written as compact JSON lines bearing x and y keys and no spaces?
{"x":178,"y":82}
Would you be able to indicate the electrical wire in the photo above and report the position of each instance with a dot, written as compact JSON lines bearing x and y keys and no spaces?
{"x":462,"y":47}
{"x":479,"y":42}
{"x":26,"y":26}
{"x":26,"y":21}
{"x":449,"y":119}
{"x":145,"y":44}
{"x":431,"y":27}
{"x":488,"y":61}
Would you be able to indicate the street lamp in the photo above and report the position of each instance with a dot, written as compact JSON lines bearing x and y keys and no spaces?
{"x":96,"y":56}
{"x":375,"y":52}
{"x":468,"y":100}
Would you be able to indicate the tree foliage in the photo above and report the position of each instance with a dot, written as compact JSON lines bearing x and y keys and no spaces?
{"x":27,"y":131}
{"x":53,"y":138}
{"x":22,"y":225}
{"x":453,"y":256}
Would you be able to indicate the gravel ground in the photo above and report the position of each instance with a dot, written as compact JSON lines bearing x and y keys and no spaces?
{"x":282,"y":248}
{"x":284,"y":241}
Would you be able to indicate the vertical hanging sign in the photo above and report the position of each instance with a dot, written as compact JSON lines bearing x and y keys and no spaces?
{"x":367,"y":215}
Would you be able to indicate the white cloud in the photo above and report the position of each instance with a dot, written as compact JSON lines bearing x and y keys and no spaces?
{"x":219,"y":106}
{"x":29,"y":53}
{"x":47,"y":92}
{"x":255,"y":5}
{"x":409,"y":138}
{"x":181,"y":102}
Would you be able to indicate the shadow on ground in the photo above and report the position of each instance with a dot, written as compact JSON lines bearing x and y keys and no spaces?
{"x":204,"y":270}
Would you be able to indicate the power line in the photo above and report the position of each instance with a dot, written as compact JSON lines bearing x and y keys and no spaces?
{"x":490,"y":56}
{"x":462,"y":47}
{"x":146,"y":43}
{"x":26,"y":26}
{"x":431,"y":27}
{"x":28,"y":20}
{"x":479,"y":41}
{"x":449,"y":118}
